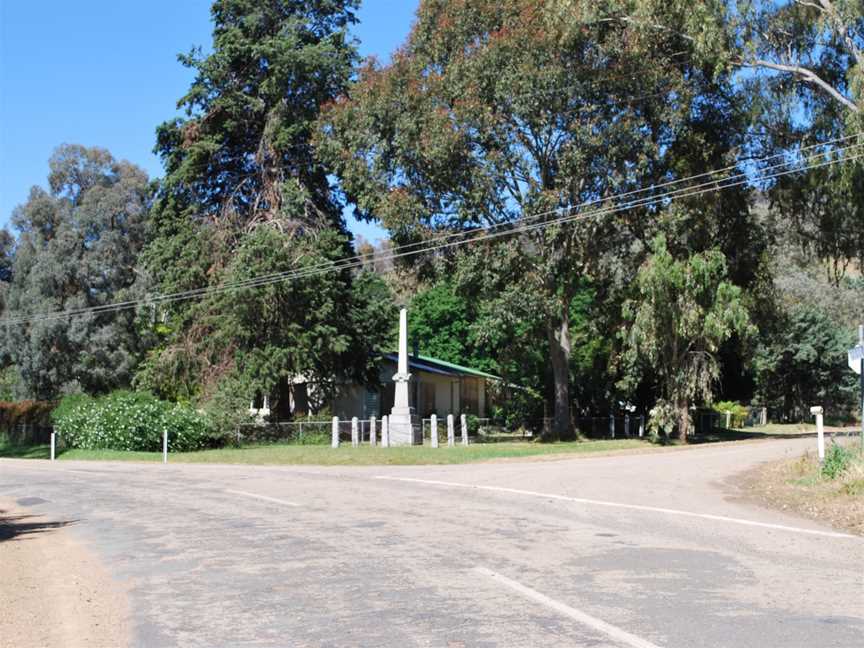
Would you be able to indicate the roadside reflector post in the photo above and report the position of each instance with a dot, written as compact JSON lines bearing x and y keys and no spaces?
{"x":334,"y":434}
{"x":53,"y":444}
{"x":856,"y":364}
{"x":433,"y":430}
{"x":464,"y":421}
{"x":355,"y":432}
{"x":451,"y":433}
{"x":164,"y":446}
{"x":612,"y":425}
{"x":820,"y":432}
{"x":372,"y":432}
{"x":641,"y":426}
{"x":385,"y":431}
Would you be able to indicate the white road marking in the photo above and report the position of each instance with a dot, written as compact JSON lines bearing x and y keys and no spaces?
{"x":594,"y":623}
{"x":633,"y":507}
{"x":262,"y":497}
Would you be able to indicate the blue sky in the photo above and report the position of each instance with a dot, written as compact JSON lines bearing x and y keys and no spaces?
{"x":105,"y":73}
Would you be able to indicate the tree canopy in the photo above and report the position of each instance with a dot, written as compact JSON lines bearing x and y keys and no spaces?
{"x":77,"y":247}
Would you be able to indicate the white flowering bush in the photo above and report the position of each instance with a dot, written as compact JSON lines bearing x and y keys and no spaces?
{"x":130,"y":421}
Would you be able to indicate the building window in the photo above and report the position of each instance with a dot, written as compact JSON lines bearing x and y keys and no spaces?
{"x":470,"y":396}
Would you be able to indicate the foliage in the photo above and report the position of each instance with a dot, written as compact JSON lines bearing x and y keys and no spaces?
{"x":245,"y":196}
{"x":737,"y":413}
{"x":681,"y":312}
{"x":663,"y":418}
{"x":243,"y":154}
{"x":837,"y":460}
{"x":803,"y":363}
{"x":77,"y":248}
{"x":440,"y":324}
{"x":29,"y":413}
{"x":132,"y":421}
{"x":494,"y":112}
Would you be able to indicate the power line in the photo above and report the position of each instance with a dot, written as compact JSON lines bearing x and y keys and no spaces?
{"x":509,"y":225}
{"x":485,"y":233}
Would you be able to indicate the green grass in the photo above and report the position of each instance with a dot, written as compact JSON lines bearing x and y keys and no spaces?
{"x":24,"y":451}
{"x":345,"y":456}
{"x":782,"y":428}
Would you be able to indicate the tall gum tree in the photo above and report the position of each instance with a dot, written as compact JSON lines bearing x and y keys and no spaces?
{"x":500,"y":114}
{"x":77,"y":248}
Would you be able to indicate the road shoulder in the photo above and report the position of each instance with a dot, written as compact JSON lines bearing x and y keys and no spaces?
{"x":55,"y":591}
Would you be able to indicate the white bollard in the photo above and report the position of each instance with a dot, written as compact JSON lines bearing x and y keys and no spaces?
{"x":626,"y":425}
{"x":641,"y":426}
{"x":164,"y":446}
{"x":372,"y":432}
{"x":464,"y":421}
{"x":728,"y":420}
{"x":820,"y":432}
{"x":451,"y":433}
{"x":433,"y":430}
{"x":385,"y":431}
{"x":355,"y":432}
{"x":53,"y":444}
{"x":612,"y":426}
{"x":334,"y":433}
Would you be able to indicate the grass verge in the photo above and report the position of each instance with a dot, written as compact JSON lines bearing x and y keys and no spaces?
{"x":802,"y":486}
{"x":343,"y":456}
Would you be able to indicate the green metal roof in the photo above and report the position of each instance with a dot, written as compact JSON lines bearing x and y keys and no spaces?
{"x":394,"y":355}
{"x":456,"y":367}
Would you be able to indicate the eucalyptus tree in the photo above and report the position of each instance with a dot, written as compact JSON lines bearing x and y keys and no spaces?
{"x":512,"y":115}
{"x":681,"y":312}
{"x":77,"y":248}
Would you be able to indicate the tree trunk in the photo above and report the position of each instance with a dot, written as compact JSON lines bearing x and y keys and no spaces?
{"x":683,"y":419}
{"x":559,"y":358}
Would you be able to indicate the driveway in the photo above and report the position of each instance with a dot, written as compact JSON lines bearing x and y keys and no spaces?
{"x":635,"y":550}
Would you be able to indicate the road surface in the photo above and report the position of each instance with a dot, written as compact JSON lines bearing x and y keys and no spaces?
{"x":635,"y":550}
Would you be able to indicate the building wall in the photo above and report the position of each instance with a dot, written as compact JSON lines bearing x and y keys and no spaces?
{"x":447,"y":391}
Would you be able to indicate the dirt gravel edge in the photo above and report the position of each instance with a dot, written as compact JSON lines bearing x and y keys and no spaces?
{"x":54,"y":592}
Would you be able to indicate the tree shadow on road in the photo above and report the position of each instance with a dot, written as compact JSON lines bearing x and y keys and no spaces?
{"x":16,"y":526}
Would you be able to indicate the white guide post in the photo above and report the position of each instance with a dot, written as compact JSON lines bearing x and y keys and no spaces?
{"x":433,"y":430}
{"x":463,"y":420}
{"x":334,"y":433}
{"x":612,"y":425}
{"x":164,"y":446}
{"x":820,"y":432}
{"x":641,"y":426}
{"x":372,"y":432}
{"x":451,"y":433}
{"x":53,"y":444}
{"x":355,"y":432}
{"x":385,"y":431}
{"x":626,"y":425}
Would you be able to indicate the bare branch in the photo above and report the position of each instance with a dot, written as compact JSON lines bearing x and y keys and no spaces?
{"x":806,"y":75}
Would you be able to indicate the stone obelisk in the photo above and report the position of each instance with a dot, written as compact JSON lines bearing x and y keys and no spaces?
{"x":404,"y":425}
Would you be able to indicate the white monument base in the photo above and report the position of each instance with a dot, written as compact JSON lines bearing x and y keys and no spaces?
{"x":405,"y":428}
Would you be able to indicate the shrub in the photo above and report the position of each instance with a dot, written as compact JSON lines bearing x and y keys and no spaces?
{"x":27,"y":412}
{"x":837,"y":461}
{"x":126,"y":420}
{"x":738,"y":413}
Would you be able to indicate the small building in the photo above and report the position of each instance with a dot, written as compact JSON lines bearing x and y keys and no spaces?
{"x":436,"y":387}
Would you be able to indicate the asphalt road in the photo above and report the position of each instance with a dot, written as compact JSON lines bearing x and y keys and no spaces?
{"x":637,"y":550}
